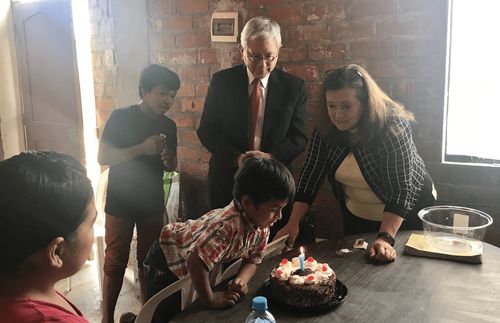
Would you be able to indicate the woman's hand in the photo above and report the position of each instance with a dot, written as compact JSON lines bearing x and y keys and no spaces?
{"x":224,"y":299}
{"x":382,"y":251}
{"x":291,"y":229}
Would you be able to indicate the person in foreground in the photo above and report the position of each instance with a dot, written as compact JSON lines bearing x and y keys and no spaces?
{"x":47,"y":212}
{"x":252,"y":109}
{"x":139,"y":142}
{"x":262,"y":187}
{"x":363,"y":144}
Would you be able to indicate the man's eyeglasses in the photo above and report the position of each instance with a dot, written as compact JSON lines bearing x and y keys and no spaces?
{"x":349,"y":75}
{"x":256,"y":58}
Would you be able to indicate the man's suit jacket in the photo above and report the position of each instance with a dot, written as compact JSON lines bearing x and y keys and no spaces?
{"x":224,"y":123}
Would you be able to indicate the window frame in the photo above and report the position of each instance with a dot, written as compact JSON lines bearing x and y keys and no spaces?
{"x":456,"y":159}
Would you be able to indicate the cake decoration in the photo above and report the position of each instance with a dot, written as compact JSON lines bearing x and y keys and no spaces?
{"x":304,"y":286}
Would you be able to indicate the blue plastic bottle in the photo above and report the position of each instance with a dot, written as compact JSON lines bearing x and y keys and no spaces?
{"x":259,"y":313}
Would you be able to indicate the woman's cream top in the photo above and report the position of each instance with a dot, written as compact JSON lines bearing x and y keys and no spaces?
{"x":359,"y":198}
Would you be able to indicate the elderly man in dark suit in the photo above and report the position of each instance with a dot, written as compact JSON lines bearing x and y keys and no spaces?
{"x":252,"y":110}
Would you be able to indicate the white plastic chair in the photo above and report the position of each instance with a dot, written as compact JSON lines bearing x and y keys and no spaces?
{"x":275,"y":247}
{"x":230,"y":271}
{"x":187,"y":297}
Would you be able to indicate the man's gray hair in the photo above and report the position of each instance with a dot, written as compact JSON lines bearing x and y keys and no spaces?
{"x":261,"y":27}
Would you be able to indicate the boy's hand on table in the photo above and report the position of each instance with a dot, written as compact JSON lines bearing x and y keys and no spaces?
{"x":224,"y":299}
{"x":238,"y":285}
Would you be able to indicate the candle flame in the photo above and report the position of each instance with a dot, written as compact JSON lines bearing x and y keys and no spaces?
{"x":301,"y":249}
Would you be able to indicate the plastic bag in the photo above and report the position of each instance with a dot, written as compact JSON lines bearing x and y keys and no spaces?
{"x":171,"y":189}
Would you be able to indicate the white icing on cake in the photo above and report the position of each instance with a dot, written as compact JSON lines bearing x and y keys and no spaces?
{"x":310,"y":279}
{"x":286,"y":266}
{"x":322,"y":271}
{"x":281,"y":274}
{"x":296,"y":280}
{"x":322,"y":277}
{"x":310,"y":264}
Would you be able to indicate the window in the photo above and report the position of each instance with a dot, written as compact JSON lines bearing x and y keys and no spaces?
{"x":472,"y":118}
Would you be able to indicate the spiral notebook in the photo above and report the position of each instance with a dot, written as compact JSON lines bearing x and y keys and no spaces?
{"x":417,"y":246}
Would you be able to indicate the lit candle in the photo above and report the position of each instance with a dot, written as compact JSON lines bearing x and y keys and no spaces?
{"x":301,"y":258}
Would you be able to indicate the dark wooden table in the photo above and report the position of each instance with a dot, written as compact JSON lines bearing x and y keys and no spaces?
{"x":411,"y":289}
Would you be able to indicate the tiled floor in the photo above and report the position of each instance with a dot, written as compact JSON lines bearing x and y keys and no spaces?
{"x":86,"y":296}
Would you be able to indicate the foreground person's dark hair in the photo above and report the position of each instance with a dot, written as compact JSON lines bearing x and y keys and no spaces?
{"x":43,"y":195}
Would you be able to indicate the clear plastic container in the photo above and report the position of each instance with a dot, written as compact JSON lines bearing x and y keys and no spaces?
{"x":455,"y":229}
{"x":259,"y":313}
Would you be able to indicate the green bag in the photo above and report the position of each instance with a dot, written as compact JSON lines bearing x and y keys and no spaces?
{"x":171,"y":193}
{"x":167,"y":183}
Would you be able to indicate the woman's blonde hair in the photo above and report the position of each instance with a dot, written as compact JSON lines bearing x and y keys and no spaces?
{"x":378,"y":107}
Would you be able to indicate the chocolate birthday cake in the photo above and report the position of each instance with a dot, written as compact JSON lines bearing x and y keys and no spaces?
{"x":313,"y":286}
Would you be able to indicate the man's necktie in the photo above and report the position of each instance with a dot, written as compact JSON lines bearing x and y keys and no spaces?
{"x":254,"y":112}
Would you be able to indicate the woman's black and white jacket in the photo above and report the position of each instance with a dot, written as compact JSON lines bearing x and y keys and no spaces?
{"x":390,"y":165}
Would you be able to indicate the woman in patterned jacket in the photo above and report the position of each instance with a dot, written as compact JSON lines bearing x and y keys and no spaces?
{"x":363,"y":144}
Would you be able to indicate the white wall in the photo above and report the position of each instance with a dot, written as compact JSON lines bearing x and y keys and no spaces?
{"x":131,"y":47}
{"x":10,"y":96}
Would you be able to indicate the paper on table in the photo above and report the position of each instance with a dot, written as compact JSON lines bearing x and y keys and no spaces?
{"x":462,"y":221}
{"x":360,"y":244}
{"x":417,"y":245}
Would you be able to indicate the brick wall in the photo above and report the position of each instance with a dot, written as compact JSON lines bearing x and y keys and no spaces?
{"x":402,"y":43}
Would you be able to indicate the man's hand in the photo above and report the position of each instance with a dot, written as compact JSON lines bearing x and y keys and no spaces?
{"x":292,"y":230}
{"x":258,"y":153}
{"x":225,"y":299}
{"x":154,"y":145}
{"x":382,"y":251}
{"x":169,"y":159}
{"x":239,"y":160}
{"x":238,"y":285}
{"x":252,"y":153}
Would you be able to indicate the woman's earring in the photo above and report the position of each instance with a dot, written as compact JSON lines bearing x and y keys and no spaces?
{"x":59,"y":261}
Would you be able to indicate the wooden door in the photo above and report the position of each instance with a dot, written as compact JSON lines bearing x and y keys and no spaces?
{"x":48,"y":73}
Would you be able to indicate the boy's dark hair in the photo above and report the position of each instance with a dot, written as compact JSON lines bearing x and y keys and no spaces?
{"x":154,"y":75}
{"x":263,"y":179}
{"x":43,"y":195}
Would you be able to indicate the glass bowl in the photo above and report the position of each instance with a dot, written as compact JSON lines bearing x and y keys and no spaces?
{"x":455,"y":229}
